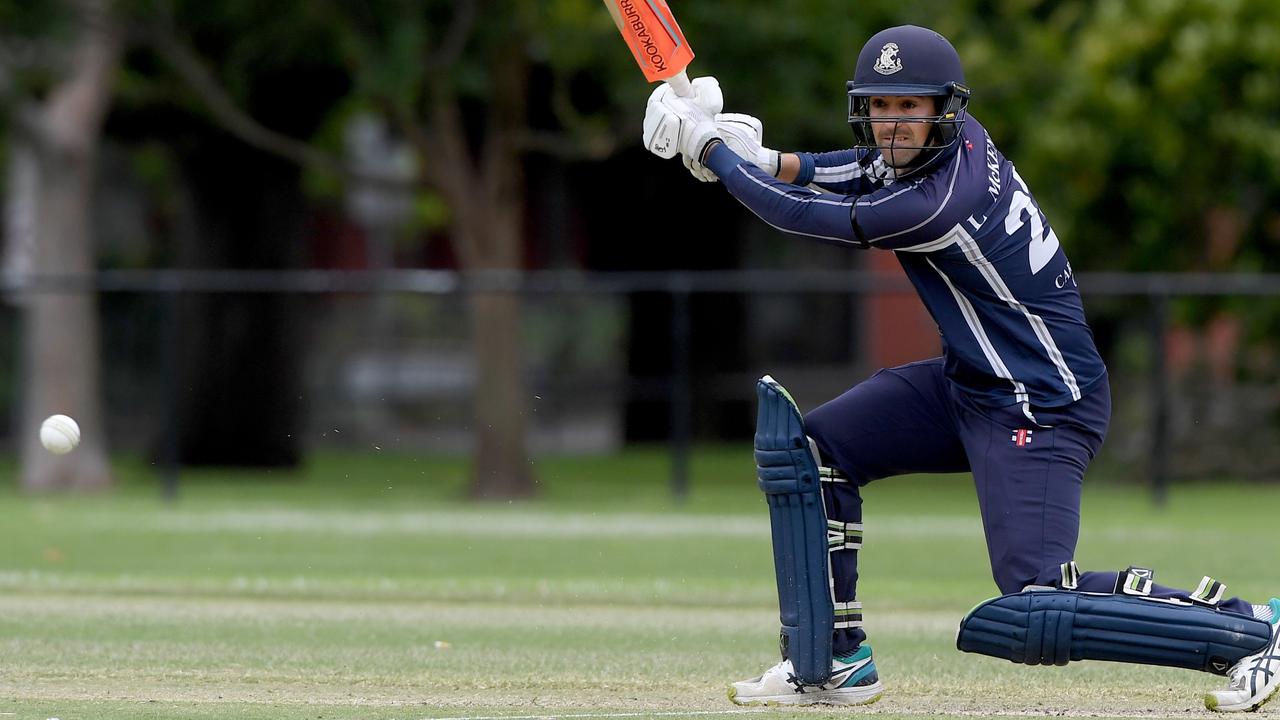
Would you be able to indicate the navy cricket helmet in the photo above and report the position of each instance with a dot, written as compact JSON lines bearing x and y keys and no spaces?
{"x":910,"y":60}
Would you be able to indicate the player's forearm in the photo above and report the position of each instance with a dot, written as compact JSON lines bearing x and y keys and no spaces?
{"x":791,"y":165}
{"x":785,"y":206}
{"x":788,"y":167}
{"x":843,"y":172}
{"x":796,"y":168}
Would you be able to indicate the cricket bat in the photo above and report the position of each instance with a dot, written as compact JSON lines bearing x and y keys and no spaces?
{"x":655,"y":40}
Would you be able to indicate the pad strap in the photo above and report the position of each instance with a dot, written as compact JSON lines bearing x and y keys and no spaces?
{"x":844,"y":536}
{"x":1209,"y":592}
{"x":1135,"y":581}
{"x":1070,"y":576}
{"x":832,"y":475}
{"x":848,"y":615}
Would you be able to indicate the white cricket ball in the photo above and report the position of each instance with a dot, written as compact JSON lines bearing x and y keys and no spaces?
{"x":59,"y":434}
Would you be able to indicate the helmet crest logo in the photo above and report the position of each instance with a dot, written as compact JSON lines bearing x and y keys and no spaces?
{"x":889,"y":62}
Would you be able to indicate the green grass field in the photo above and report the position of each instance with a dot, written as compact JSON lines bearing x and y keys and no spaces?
{"x":361,"y":587}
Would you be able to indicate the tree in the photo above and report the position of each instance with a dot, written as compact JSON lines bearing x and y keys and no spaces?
{"x":457,"y":90}
{"x":1146,"y":124}
{"x":413,"y":67}
{"x":53,"y":139}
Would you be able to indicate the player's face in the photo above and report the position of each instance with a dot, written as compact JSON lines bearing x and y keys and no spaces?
{"x":895,"y":136}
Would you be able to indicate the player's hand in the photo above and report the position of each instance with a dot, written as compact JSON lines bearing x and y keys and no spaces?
{"x":661,"y":126}
{"x":698,"y":170}
{"x":706,"y":95}
{"x":662,"y":119}
{"x":744,"y":135}
{"x":674,"y":125}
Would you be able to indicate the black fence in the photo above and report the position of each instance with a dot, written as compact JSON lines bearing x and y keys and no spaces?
{"x":1151,"y":293}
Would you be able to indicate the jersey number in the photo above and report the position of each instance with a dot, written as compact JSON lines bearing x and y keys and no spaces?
{"x":1042,"y":248}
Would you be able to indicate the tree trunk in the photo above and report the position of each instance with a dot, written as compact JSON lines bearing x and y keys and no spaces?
{"x":60,"y":330}
{"x":60,"y":337}
{"x":486,"y":194}
{"x":502,"y":467}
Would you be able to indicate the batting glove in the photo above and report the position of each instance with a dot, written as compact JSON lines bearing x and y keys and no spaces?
{"x":706,"y":95}
{"x":674,"y":125}
{"x":744,"y":135}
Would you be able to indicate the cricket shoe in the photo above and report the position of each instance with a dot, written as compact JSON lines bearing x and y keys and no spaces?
{"x":1255,"y":679}
{"x":853,"y":682}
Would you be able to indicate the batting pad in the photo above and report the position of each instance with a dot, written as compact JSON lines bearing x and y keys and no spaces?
{"x":788,"y":474}
{"x":1053,"y":627}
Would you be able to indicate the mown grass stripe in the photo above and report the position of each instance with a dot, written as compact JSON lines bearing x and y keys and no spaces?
{"x":672,"y":713}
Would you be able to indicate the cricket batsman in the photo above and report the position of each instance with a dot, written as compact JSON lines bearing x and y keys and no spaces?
{"x":1019,"y":397}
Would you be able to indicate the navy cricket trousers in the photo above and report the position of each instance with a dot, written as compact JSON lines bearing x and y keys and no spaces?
{"x":911,"y":419}
{"x":1028,"y":468}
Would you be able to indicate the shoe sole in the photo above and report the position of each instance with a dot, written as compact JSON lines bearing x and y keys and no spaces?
{"x":1211,"y":702}
{"x":864,"y":696}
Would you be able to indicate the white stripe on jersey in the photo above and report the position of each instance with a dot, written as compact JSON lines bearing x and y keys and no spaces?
{"x":932,"y":245}
{"x":836,"y":173}
{"x":984,"y":266}
{"x":771,"y":188}
{"x":975,"y":325}
{"x":886,"y":198}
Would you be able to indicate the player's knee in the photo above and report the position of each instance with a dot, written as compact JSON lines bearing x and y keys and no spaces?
{"x":1012,"y":577}
{"x":816,"y":422}
{"x":820,"y":424}
{"x":1009,"y":584}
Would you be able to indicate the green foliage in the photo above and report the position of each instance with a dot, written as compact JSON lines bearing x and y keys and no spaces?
{"x":1146,"y":128}
{"x":1135,"y":122}
{"x":1158,"y":119}
{"x":33,"y":35}
{"x":430,"y":212}
{"x":20,"y":18}
{"x":785,"y":61}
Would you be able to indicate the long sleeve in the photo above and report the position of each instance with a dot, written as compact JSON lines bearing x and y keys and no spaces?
{"x":848,"y":172}
{"x":787,"y":207}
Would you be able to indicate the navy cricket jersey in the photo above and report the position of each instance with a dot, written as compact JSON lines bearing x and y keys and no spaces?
{"x":973,"y":242}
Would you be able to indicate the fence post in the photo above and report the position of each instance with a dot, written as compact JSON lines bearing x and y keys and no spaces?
{"x":681,"y":386}
{"x":1159,"y":389}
